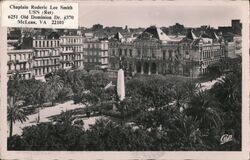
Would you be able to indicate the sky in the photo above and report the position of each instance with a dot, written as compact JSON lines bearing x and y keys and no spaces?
{"x":144,"y":15}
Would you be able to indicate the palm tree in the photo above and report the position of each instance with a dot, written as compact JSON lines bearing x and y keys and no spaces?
{"x":15,"y":112}
{"x":180,"y":97}
{"x":228,"y":90}
{"x":185,"y":134}
{"x":54,"y":85}
{"x":191,"y":88}
{"x":204,"y":108}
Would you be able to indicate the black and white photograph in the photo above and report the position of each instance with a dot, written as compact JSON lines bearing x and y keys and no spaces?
{"x":144,"y":77}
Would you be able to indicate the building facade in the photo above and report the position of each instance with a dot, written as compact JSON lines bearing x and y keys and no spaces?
{"x":72,"y":51}
{"x":20,"y":61}
{"x":47,"y":52}
{"x":150,"y":52}
{"x":230,"y":49}
{"x":237,"y":39}
{"x":153,"y":52}
{"x":96,"y":54}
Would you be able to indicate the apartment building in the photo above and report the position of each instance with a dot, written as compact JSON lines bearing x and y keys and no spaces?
{"x":95,"y":53}
{"x":72,"y":51}
{"x":47,"y":52}
{"x":20,"y":61}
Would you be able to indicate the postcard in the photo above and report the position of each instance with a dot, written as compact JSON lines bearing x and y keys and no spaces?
{"x":124,"y":80}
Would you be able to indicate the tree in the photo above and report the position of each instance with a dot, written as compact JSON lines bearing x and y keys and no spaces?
{"x":228,"y":93}
{"x":204,"y":108}
{"x":184,"y":134}
{"x":15,"y":112}
{"x":54,"y":85}
{"x":54,"y":137}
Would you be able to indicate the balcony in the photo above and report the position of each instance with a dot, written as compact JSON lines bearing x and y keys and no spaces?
{"x":23,"y":60}
{"x":10,"y":62}
{"x":19,"y":61}
{"x":46,"y":56}
{"x":46,"y":65}
{"x":67,"y":61}
{"x":75,"y":60}
{"x":67,"y":52}
{"x":19,"y":71}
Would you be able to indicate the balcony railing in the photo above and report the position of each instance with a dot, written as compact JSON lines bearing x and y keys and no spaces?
{"x":18,"y":70}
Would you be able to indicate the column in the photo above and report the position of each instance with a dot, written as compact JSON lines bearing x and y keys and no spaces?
{"x":149,"y":68}
{"x":142,"y":72}
{"x":157,"y":67}
{"x":134,"y":66}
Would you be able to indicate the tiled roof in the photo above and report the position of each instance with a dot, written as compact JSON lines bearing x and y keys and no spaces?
{"x":154,"y":32}
{"x":118,"y":36}
{"x":191,"y":35}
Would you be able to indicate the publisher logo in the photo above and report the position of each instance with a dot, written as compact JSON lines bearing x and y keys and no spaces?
{"x":226,"y":138}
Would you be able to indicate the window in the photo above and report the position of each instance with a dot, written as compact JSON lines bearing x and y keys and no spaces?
{"x":187,"y":54}
{"x":170,"y":54}
{"x":139,"y":53}
{"x":153,"y":54}
{"x":125,"y":52}
{"x":120,"y":52}
{"x":164,"y":55}
{"x":130,"y":52}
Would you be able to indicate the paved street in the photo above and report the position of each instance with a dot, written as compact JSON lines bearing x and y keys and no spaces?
{"x":45,"y":113}
{"x":208,"y":85}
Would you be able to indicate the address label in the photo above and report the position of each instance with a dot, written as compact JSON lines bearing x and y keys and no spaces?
{"x":39,"y":14}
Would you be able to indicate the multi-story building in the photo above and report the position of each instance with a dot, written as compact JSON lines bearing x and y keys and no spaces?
{"x":120,"y":48}
{"x":20,"y":61}
{"x":72,"y":51}
{"x":153,"y":52}
{"x":95,"y":54}
{"x":47,"y":52}
{"x":237,"y":39}
{"x":230,"y":50}
{"x":199,"y":52}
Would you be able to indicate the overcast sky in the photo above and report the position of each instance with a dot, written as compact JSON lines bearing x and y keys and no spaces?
{"x":160,"y":15}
